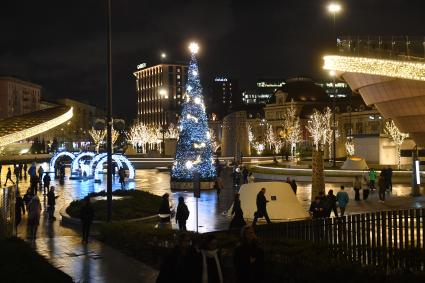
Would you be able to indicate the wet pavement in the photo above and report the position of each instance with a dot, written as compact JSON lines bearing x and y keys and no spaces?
{"x":96,"y":262}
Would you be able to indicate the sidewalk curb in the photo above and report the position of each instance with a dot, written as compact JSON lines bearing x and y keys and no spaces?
{"x":67,"y":219}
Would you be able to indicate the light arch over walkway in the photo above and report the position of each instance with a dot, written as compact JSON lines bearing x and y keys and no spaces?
{"x":52,"y":164}
{"x":99,"y":165}
{"x":76,"y":161}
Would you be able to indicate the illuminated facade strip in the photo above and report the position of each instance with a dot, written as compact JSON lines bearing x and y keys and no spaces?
{"x":372,"y":66}
{"x":36,"y":130}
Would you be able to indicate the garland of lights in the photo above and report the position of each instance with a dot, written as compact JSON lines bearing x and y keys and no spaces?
{"x":36,"y":130}
{"x":372,"y":66}
{"x":194,"y":151}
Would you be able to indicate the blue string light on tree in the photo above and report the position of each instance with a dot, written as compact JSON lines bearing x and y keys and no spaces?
{"x":194,"y":152}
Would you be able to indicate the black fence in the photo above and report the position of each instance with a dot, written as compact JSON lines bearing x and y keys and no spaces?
{"x":392,"y":240}
{"x":391,"y":47}
{"x":7,"y":211}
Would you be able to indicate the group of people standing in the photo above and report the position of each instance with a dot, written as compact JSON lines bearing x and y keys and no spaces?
{"x":190,"y":263}
{"x":323,"y":205}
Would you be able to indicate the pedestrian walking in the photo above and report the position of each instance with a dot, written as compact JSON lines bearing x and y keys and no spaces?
{"x":121,"y":174}
{"x":248,"y":258}
{"x":33,"y":177}
{"x":251,"y":178}
{"x":51,"y":203}
{"x":261,"y":207}
{"x":294,"y":186}
{"x":343,"y":199}
{"x":19,"y":208}
{"x":20,"y":171}
{"x":25,"y":170}
{"x":390,"y":178}
{"x":46,"y":183}
{"x":182,"y":214}
{"x":182,"y":265}
{"x":357,"y":186}
{"x":245,"y":175}
{"x":366,"y":189}
{"x":16,"y":172}
{"x":237,"y":221}
{"x":330,"y":204}
{"x":40,"y":176}
{"x":8,"y":176}
{"x":164,"y":210}
{"x":317,"y":209}
{"x":218,"y":185}
{"x":34,"y":212}
{"x":211,"y":263}
{"x":86,"y":216}
{"x":372,"y":179}
{"x":381,"y":188}
{"x":27,"y":198}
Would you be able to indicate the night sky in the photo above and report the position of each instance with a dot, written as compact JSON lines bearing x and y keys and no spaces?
{"x":62,"y":44}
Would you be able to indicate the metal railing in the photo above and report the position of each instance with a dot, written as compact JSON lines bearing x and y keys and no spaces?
{"x":7,"y":211}
{"x":410,"y":48}
{"x":388,"y":239}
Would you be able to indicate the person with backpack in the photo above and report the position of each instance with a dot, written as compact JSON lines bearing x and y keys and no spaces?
{"x":182,"y":214}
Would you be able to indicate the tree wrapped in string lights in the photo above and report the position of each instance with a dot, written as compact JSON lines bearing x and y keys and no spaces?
{"x":397,"y":136}
{"x":194,"y":152}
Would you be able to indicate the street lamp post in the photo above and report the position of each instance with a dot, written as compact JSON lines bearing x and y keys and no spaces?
{"x":163,"y":94}
{"x":334,"y":8}
{"x":109,"y":113}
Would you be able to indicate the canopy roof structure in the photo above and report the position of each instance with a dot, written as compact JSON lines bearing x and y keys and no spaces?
{"x":18,"y":128}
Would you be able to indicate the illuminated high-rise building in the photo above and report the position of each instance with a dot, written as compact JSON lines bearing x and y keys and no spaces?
{"x":160,"y":90}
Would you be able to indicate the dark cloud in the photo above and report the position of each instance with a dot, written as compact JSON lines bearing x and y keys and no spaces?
{"x":61,"y":45}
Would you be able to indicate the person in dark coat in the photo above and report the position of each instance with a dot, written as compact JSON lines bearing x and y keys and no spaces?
{"x":86,"y":216}
{"x":182,"y":214}
{"x":19,"y":209}
{"x":381,"y":188}
{"x":46,"y":183}
{"x":245,"y":175}
{"x":8,"y":176}
{"x":294,"y":186}
{"x":25,"y":171}
{"x":261,"y":207}
{"x":51,"y":203}
{"x":27,"y":197}
{"x":390,"y":178}
{"x":121,"y":175}
{"x":317,"y":209}
{"x":330,"y":204}
{"x":211,"y":261}
{"x":16,"y":172}
{"x":182,"y":265}
{"x":248,"y":258}
{"x":164,"y":210}
{"x":20,"y":166}
{"x":237,"y":221}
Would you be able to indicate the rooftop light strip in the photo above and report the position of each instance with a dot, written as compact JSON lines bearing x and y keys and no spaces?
{"x":372,"y":66}
{"x":38,"y":129}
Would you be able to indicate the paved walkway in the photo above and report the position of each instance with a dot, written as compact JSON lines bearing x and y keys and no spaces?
{"x":96,"y":262}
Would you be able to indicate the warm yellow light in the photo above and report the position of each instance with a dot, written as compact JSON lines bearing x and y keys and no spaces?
{"x":43,"y":127}
{"x":163,"y":93}
{"x":334,"y":8}
{"x":163,"y":55}
{"x":379,"y":67}
{"x":194,"y":47}
{"x":332,"y":73}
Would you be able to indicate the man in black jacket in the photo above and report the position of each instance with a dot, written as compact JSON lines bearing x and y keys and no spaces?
{"x":261,"y":207}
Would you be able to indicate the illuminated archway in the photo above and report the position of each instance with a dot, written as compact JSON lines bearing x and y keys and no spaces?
{"x":52,"y":164}
{"x":132,"y":171}
{"x":94,"y":161}
{"x":76,"y":161}
{"x":99,"y":165}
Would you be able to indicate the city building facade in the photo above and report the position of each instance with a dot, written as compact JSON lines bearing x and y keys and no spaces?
{"x":223,"y":96}
{"x":160,"y":93}
{"x":18,"y":97}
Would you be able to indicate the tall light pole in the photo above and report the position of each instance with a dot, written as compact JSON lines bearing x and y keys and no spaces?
{"x":109,"y":112}
{"x":334,"y":8}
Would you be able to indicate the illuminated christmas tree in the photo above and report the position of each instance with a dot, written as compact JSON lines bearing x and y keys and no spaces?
{"x":194,"y":152}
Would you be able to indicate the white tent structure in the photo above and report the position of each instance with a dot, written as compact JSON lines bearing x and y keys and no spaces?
{"x":283,"y":204}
